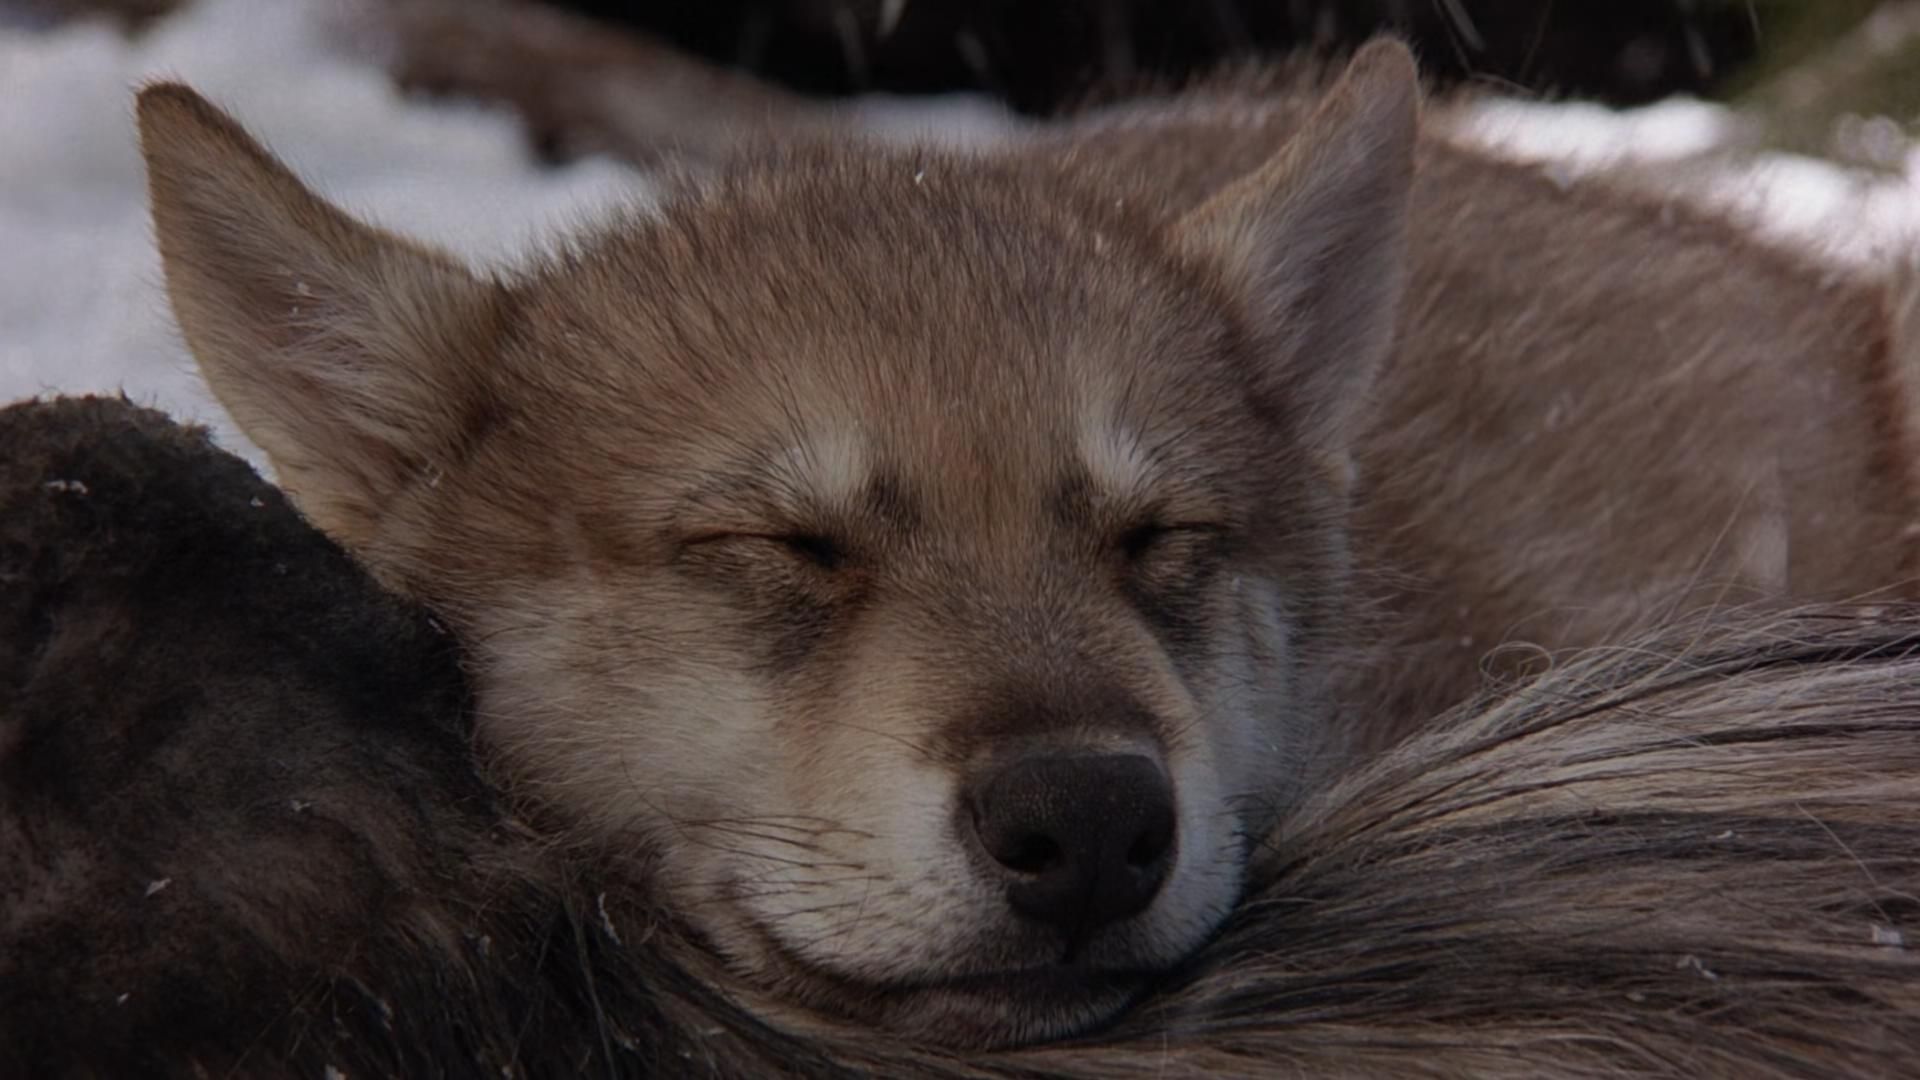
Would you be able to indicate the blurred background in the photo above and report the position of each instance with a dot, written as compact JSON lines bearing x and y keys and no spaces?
{"x":1037,"y":54}
{"x":485,"y":124}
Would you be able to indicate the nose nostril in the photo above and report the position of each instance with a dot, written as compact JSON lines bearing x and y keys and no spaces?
{"x":1030,"y":853}
{"x":1150,"y":847}
{"x":1080,"y":841}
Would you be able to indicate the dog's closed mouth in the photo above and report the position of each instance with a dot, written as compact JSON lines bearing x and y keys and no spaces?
{"x":1014,"y":1007}
{"x":1056,"y":980}
{"x":1007,"y":1006}
{"x":1049,"y":981}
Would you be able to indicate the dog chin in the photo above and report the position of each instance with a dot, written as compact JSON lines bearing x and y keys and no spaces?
{"x":992,"y":1011}
{"x":979,"y":1011}
{"x":1013,"y":1009}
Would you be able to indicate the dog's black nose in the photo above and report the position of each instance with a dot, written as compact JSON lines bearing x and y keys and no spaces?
{"x":1082,"y":840}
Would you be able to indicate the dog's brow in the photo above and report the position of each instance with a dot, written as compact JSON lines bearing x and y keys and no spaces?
{"x":1119,"y":474}
{"x":826,"y":466}
{"x":1117,"y":466}
{"x":796,"y":479}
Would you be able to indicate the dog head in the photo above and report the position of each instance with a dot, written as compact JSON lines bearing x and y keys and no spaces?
{"x":928,"y":565}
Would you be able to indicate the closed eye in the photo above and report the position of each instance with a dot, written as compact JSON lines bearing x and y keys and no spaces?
{"x":1148,"y":538}
{"x":1137,"y":541}
{"x":815,"y":549}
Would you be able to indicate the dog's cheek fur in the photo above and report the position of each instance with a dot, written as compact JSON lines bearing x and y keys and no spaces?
{"x":628,"y":730}
{"x":857,"y":867}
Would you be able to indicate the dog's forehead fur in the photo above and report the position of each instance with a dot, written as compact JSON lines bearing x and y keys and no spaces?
{"x":868,"y":324}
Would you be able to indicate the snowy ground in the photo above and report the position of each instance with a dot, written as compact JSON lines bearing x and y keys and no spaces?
{"x":81,"y":302}
{"x":1845,"y":215}
{"x":81,"y":307}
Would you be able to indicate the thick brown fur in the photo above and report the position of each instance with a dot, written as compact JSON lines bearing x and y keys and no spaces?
{"x":1606,"y":407}
{"x":241,"y":836}
{"x":1547,"y":325}
{"x":1236,"y":433}
{"x":811,"y":541}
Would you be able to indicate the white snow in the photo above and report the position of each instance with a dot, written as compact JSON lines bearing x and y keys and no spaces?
{"x":1850,"y":216}
{"x":81,"y":303}
{"x":1592,"y":135}
{"x":81,"y":306}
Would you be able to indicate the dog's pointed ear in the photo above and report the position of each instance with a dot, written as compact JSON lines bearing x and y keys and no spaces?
{"x":346,"y":353}
{"x":1315,"y":242}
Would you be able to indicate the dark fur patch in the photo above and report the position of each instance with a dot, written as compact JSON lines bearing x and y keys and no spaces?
{"x":889,"y":501}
